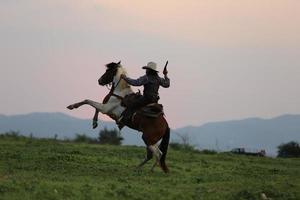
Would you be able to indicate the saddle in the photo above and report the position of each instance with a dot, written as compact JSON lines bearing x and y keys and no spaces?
{"x":152,"y":110}
{"x":128,"y":100}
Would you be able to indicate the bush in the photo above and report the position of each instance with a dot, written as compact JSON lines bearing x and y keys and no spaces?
{"x":84,"y":138}
{"x":12,"y":135}
{"x":209,"y":151}
{"x":110,"y":137}
{"x":190,"y":148}
{"x":180,"y":147}
{"x":291,"y":149}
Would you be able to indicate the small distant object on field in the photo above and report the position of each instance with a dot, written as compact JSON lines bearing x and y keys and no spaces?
{"x":243,"y":151}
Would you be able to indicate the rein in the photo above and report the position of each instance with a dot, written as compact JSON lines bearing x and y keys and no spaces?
{"x":111,"y":92}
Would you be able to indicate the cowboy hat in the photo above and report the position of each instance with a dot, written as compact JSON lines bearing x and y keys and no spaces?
{"x":151,"y":66}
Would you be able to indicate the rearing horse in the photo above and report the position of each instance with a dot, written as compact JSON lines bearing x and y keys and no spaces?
{"x":153,"y":129}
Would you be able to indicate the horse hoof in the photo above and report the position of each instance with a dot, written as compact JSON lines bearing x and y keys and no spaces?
{"x":70,"y":107}
{"x":95,"y":125}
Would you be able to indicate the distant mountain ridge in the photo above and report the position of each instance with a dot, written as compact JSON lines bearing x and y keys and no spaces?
{"x":47,"y":125}
{"x":252,"y":133}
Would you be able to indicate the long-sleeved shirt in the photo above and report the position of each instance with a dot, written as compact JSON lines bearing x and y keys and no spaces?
{"x":151,"y":84}
{"x":143,"y":80}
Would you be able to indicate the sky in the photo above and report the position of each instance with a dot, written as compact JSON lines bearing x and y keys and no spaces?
{"x":228,"y":59}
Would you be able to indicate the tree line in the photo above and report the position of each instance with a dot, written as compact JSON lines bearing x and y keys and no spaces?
{"x":105,"y":136}
{"x":113,"y":137}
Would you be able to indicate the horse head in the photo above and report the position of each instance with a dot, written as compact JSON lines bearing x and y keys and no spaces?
{"x":111,"y":71}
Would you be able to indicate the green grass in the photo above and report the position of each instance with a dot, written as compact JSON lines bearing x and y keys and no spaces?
{"x":48,"y":169}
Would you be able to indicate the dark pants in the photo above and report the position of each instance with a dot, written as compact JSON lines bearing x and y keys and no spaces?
{"x":138,"y":103}
{"x":142,"y":101}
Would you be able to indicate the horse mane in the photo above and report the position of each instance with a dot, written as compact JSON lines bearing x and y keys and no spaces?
{"x":121,"y":70}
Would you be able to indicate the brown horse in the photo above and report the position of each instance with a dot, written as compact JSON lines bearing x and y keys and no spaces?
{"x":153,"y":129}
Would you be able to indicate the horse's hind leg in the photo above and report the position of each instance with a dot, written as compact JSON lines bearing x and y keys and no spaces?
{"x":157,"y":153}
{"x":153,"y":166}
{"x":149,"y":156}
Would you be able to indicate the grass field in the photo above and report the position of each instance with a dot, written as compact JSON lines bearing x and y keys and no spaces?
{"x":48,"y":169}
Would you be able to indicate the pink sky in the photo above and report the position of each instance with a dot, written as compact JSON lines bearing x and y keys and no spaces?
{"x":228,"y":59}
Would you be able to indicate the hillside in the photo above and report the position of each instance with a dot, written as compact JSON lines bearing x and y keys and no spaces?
{"x":48,"y":169}
{"x":46,"y":125}
{"x":252,"y":133}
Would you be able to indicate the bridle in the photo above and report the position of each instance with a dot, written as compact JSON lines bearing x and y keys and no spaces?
{"x":111,"y":92}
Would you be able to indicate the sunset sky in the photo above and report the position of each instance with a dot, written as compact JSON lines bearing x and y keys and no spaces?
{"x":228,"y":59}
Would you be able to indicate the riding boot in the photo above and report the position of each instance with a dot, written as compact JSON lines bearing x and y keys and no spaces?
{"x":120,"y":123}
{"x":122,"y":120}
{"x":120,"y":126}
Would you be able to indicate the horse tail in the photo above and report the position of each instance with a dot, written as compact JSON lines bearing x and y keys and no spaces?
{"x":164,"y":148}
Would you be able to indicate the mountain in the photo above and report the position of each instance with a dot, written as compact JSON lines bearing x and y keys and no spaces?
{"x":252,"y":134}
{"x":46,"y":125}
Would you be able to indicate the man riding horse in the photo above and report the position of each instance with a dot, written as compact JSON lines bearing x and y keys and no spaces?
{"x":139,"y":112}
{"x":151,"y":82}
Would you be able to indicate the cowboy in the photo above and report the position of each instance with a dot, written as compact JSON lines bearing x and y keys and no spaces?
{"x":151,"y":82}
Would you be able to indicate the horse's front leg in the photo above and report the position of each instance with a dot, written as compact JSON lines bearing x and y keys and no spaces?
{"x":94,"y":104}
{"x":76,"y":105}
{"x":100,"y":107}
{"x":79,"y":104}
{"x":95,"y":119}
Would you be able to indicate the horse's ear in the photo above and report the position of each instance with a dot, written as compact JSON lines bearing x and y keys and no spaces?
{"x":119,"y":62}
